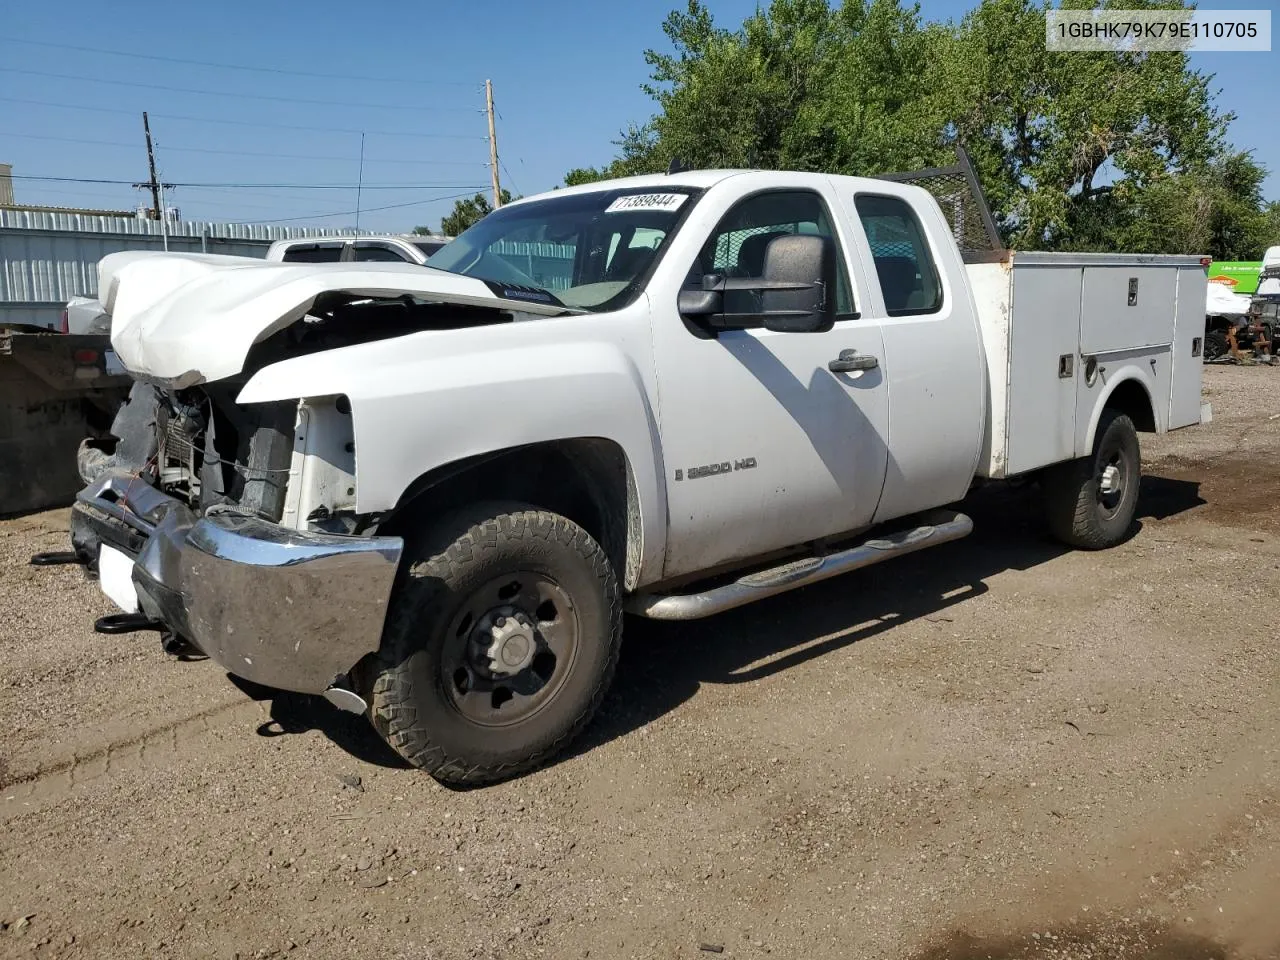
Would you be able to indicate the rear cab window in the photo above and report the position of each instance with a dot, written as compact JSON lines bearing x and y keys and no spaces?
{"x":908,"y":275}
{"x":313,"y":253}
{"x":373,"y":252}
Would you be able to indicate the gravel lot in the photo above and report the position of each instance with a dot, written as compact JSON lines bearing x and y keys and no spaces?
{"x":994,"y":749}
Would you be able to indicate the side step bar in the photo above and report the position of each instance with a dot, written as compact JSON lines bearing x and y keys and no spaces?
{"x":948,"y":526}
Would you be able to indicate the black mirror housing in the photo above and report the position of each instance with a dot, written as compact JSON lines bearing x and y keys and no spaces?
{"x":800,"y":277}
{"x":796,"y":293}
{"x":699,"y":303}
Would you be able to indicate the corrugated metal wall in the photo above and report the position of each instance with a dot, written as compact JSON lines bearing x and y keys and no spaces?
{"x":48,"y":258}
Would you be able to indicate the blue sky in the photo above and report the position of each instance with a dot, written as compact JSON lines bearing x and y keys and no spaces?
{"x":566,"y":76}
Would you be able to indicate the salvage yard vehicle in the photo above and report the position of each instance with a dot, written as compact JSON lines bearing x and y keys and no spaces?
{"x":363,"y":249}
{"x":429,"y":493}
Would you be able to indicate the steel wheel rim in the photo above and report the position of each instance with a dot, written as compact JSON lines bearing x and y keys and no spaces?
{"x":1114,"y":478}
{"x":472,"y":678}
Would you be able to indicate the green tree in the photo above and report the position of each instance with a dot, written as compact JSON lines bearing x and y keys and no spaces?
{"x":1216,"y":211}
{"x":1271,"y":225}
{"x":800,"y":85}
{"x":636,"y":156}
{"x":469,"y":211}
{"x":1074,"y":151}
{"x":1062,"y":141}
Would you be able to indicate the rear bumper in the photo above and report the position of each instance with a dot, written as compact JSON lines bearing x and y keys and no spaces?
{"x":285,"y":608}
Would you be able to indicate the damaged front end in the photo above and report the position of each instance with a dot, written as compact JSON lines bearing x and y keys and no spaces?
{"x":196,"y":525}
{"x":234,"y":525}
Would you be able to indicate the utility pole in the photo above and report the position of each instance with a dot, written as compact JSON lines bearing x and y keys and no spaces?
{"x":493,"y":145}
{"x":360,"y":180}
{"x":151,"y":162}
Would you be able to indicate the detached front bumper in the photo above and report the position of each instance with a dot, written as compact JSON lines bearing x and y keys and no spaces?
{"x":284,"y":608}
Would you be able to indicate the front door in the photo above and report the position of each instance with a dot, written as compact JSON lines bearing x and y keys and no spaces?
{"x":764,"y":445}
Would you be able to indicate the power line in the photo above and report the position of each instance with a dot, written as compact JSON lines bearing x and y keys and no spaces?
{"x":238,"y":96}
{"x":114,"y":196}
{"x":349,"y":213}
{"x":243,"y":153}
{"x":510,"y":179}
{"x":314,"y":156}
{"x":235,"y":66}
{"x":248,"y":123}
{"x":96,"y":143}
{"x":227,"y":203}
{"x":259,"y":186}
{"x":198,"y":194}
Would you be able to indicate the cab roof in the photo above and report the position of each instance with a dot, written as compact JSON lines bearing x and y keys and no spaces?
{"x":695,"y":179}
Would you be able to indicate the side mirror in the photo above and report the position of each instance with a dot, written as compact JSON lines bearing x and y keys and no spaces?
{"x":800,"y":278}
{"x":796,"y":294}
{"x":699,"y":303}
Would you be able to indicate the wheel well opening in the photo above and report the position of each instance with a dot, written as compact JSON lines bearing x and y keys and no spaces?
{"x":1131,"y":399}
{"x":584,"y":480}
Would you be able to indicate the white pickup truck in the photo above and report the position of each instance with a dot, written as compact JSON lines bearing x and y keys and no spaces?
{"x":429,"y":493}
{"x":373,"y":248}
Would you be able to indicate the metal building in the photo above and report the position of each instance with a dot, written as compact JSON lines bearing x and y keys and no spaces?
{"x":47,"y":257}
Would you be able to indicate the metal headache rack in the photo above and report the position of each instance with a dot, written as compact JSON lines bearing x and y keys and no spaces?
{"x":958,"y":192}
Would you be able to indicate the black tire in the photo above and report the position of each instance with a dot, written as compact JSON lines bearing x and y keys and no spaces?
{"x":1215,"y":345}
{"x":1081,"y":511}
{"x":431,"y":677}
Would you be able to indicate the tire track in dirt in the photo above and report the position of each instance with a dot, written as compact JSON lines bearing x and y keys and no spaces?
{"x":27,"y":790}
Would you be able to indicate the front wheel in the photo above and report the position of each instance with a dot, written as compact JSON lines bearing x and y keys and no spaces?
{"x":501,"y":640}
{"x":1090,"y":503}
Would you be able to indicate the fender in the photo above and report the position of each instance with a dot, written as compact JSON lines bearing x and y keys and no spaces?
{"x":1130,"y":372}
{"x":428,"y":399}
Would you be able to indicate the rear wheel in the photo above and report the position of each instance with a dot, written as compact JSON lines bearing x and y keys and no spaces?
{"x":1090,"y":503}
{"x":501,"y":640}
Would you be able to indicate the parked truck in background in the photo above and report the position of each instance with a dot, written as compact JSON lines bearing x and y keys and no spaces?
{"x":429,"y":493}
{"x":359,"y":249}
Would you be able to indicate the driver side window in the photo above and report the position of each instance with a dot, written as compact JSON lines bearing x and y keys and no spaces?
{"x":737,"y":246}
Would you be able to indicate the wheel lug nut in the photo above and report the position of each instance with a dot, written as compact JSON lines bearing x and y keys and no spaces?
{"x":499,"y":621}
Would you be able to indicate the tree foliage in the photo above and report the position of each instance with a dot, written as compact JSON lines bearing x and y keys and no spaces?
{"x":468,"y":211}
{"x":1074,"y":151}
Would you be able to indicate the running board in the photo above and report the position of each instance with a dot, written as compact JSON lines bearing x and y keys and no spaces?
{"x":800,"y":573}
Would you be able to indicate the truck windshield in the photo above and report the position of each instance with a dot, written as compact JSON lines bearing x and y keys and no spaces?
{"x":592,"y":251}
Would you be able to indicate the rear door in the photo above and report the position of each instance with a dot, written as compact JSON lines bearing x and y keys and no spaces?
{"x":937,"y":396}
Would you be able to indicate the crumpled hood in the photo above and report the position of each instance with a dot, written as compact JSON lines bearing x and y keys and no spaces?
{"x":187,"y":318}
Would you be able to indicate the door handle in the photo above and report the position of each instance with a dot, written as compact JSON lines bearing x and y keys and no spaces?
{"x":851,"y":360}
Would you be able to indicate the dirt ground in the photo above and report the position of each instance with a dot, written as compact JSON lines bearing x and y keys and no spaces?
{"x":998,"y":748}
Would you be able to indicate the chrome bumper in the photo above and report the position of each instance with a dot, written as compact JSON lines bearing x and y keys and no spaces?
{"x":285,"y":608}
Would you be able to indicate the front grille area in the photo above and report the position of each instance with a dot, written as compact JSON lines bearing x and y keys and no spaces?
{"x":177,"y":445}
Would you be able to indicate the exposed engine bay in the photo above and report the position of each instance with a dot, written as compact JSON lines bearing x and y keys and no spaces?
{"x":288,"y":462}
